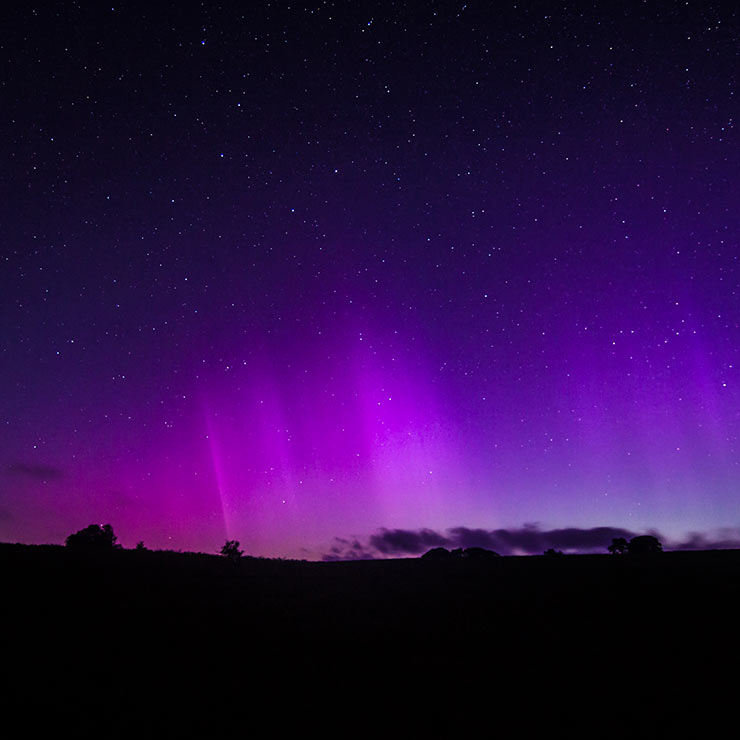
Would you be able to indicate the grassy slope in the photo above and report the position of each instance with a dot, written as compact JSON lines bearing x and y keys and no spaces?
{"x":157,"y":637}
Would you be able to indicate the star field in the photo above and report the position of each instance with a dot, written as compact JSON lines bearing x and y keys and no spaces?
{"x":289,"y":272}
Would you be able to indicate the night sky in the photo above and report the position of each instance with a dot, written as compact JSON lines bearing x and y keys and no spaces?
{"x":354,"y":279}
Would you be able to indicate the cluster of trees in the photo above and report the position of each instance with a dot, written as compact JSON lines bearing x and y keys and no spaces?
{"x":97,"y":537}
{"x":93,"y":537}
{"x":645,"y":544}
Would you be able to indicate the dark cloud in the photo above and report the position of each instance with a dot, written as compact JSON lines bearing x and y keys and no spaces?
{"x":527,"y":540}
{"x":348,"y":550}
{"x":725,"y":538}
{"x":35,"y":471}
{"x":530,"y":539}
{"x":407,"y":542}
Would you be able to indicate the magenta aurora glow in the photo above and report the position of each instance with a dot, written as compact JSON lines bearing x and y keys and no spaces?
{"x":290,"y":274}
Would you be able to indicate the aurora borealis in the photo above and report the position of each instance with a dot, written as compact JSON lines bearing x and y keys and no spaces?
{"x":287,"y":273}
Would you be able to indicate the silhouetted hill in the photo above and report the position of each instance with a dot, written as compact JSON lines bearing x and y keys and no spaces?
{"x":174,"y":640}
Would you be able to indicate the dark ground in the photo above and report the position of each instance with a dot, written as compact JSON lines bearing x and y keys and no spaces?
{"x":168,"y":644}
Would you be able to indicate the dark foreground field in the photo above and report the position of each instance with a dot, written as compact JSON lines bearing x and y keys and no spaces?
{"x":167,"y":644}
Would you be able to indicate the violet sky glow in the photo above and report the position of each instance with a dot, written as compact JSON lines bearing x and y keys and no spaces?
{"x":288,"y":273}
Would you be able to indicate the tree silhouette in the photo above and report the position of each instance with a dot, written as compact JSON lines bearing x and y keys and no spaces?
{"x":231,"y":550}
{"x":645,"y":544}
{"x":93,"y":537}
{"x":619,"y":546}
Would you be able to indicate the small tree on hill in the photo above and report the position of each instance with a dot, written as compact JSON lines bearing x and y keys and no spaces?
{"x":93,"y":537}
{"x":645,"y":544}
{"x":231,"y":550}
{"x":619,"y":546}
